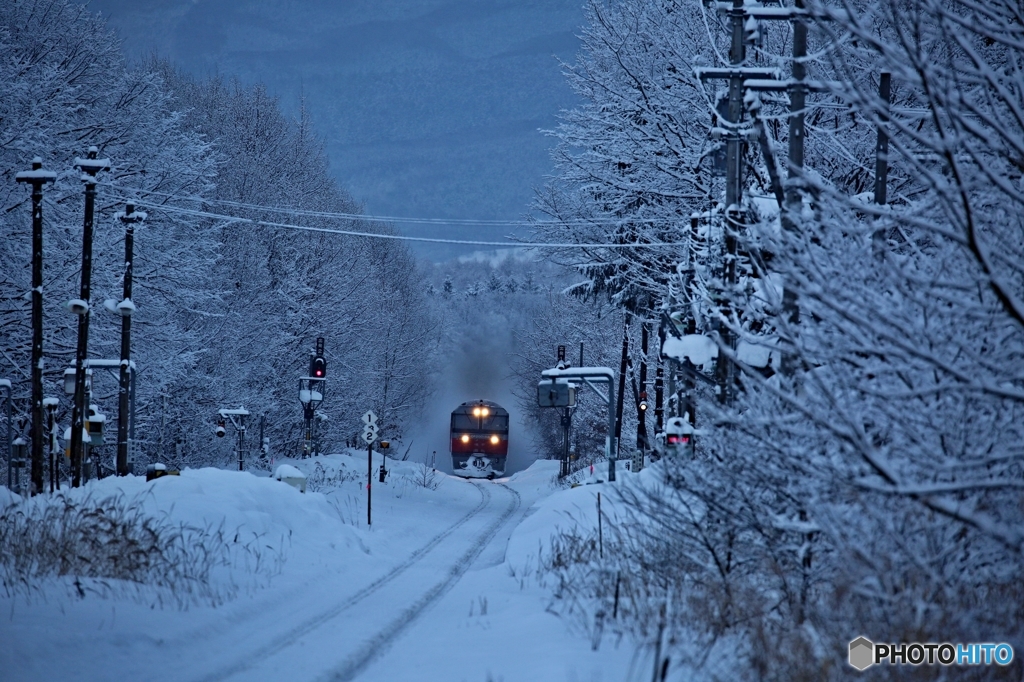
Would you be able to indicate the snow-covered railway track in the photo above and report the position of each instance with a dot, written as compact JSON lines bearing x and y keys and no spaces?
{"x":378,"y":644}
{"x":288,"y":638}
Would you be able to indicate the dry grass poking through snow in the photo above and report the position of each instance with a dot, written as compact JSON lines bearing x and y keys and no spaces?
{"x":111,"y":547}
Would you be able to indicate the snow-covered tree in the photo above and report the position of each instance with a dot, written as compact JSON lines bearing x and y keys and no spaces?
{"x":283,"y":288}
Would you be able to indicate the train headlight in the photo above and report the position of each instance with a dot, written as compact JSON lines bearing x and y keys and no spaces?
{"x":494,"y":440}
{"x":476,"y":411}
{"x":465,"y":438}
{"x":484,"y":412}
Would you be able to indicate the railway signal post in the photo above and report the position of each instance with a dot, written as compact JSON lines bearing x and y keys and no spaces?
{"x":369,"y":435}
{"x":554,"y":390}
{"x":311,"y":395}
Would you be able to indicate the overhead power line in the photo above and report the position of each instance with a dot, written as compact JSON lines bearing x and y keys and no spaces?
{"x":470,"y":222}
{"x":167,"y":208}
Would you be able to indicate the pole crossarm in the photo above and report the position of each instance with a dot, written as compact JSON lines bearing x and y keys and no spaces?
{"x":91,"y":166}
{"x":779,"y":13}
{"x":106,"y":363}
{"x":728,"y":73}
{"x":768,"y":85}
{"x":36,"y":175}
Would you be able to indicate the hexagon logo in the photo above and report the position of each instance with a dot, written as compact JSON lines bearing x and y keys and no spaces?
{"x":862,"y":653}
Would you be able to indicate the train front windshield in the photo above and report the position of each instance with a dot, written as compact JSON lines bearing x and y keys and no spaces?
{"x":467,"y":422}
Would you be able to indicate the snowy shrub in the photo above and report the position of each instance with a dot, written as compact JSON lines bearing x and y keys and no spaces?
{"x":323,"y":478}
{"x":426,"y":477}
{"x":109,"y":546}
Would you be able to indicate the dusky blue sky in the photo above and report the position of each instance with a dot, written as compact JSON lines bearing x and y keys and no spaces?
{"x":429,"y":108}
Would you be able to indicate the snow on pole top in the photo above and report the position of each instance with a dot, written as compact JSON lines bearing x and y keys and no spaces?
{"x":287,"y":471}
{"x":35,"y":175}
{"x":5,"y":383}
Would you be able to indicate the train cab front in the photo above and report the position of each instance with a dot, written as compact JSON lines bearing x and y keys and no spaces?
{"x":479,"y":440}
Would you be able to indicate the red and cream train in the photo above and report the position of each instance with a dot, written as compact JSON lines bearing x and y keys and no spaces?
{"x":479,"y":439}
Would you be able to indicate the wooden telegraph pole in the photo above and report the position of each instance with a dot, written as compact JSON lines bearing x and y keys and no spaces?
{"x":37,"y":177}
{"x":89,"y":166}
{"x":126,"y":307}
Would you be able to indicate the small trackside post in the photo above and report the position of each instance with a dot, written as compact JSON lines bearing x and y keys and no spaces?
{"x":369,"y":435}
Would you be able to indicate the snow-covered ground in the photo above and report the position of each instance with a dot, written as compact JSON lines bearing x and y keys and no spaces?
{"x":442,"y":586}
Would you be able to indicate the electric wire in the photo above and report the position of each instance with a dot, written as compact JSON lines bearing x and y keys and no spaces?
{"x":166,"y":208}
{"x":472,"y":222}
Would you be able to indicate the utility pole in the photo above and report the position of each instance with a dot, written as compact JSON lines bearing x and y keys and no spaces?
{"x":622,"y":391}
{"x":126,"y":307}
{"x":37,"y":177}
{"x":882,"y":160}
{"x":734,"y":218}
{"x":51,"y":432}
{"x":794,"y":197}
{"x":882,"y":147}
{"x":641,"y":427}
{"x":659,"y":400}
{"x":6,"y":385}
{"x":740,"y":80}
{"x":563,"y":469}
{"x":89,"y":166}
{"x":797,"y":104}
